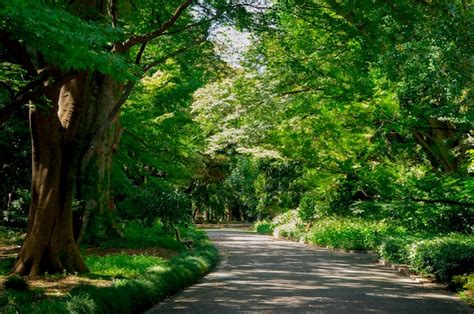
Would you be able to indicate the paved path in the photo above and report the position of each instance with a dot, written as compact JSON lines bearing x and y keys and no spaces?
{"x":260,"y":274}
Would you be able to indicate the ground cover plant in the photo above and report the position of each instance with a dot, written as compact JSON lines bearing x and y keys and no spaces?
{"x":124,"y":278}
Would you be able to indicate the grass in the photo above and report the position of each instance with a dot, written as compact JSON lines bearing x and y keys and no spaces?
{"x":122,"y":265}
{"x":121,"y":280}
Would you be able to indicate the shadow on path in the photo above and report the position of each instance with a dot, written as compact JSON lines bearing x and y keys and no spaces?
{"x":261,"y":274}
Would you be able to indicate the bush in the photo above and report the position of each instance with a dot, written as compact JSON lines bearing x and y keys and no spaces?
{"x":138,"y":237}
{"x":80,"y":304}
{"x":16,"y":216}
{"x":443,"y":256}
{"x":288,"y":225}
{"x":396,"y":248}
{"x":350,"y":234}
{"x":467,"y":286}
{"x":263,"y":226}
{"x":16,"y":283}
{"x":307,"y":209}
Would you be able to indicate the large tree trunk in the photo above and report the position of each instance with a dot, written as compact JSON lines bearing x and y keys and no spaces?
{"x":49,"y":244}
{"x":94,"y":188}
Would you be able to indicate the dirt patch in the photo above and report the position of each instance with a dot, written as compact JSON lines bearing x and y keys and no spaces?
{"x":61,"y":286}
{"x":9,"y":251}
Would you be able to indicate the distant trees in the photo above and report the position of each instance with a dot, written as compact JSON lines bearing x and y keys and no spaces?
{"x":373,"y":100}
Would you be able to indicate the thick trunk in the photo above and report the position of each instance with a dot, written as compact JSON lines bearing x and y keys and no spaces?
{"x":94,"y":190}
{"x":60,"y":136}
{"x":49,"y":244}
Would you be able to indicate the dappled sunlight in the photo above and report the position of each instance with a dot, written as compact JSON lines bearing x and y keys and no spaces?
{"x":260,"y":274}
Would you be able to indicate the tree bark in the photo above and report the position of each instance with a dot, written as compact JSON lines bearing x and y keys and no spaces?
{"x":61,"y":134}
{"x":94,"y":187}
{"x":49,"y":245}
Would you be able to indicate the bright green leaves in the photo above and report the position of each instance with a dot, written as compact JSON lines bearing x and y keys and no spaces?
{"x":234,"y":114}
{"x":11,"y":80}
{"x":372,"y":99}
{"x":63,"y":39}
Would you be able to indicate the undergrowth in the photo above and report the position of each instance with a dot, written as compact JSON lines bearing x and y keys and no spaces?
{"x":138,"y":281}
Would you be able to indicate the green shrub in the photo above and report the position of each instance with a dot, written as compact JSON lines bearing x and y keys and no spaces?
{"x":6,"y":265}
{"x":350,"y":234}
{"x":464,"y":284}
{"x":288,"y":225}
{"x":80,"y":304}
{"x":138,"y":237}
{"x":13,"y":301}
{"x":16,"y":216}
{"x":468,"y":288}
{"x":307,"y":209}
{"x":16,"y":283}
{"x":443,"y":256}
{"x":395,"y":248}
{"x":263,"y":226}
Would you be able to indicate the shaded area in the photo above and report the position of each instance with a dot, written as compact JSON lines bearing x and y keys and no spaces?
{"x":260,"y":274}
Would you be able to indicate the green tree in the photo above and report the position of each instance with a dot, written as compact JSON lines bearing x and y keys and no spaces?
{"x":79,"y":75}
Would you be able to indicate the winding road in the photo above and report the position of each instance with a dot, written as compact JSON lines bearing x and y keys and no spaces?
{"x":260,"y":274}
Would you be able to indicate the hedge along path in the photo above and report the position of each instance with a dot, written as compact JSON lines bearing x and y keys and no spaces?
{"x":264,"y":274}
{"x":131,"y":295}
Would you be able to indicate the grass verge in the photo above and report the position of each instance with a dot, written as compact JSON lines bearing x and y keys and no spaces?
{"x":133,"y":282}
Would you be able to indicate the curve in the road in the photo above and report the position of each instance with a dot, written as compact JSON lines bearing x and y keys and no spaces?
{"x":264,"y":275}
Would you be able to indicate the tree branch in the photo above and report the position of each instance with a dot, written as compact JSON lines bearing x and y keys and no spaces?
{"x":140,"y":53}
{"x":32,"y":90}
{"x":174,"y":54}
{"x":298,"y":91}
{"x":150,"y":36}
{"x":112,"y":8}
{"x":217,"y":15}
{"x":466,"y":131}
{"x":92,"y":146}
{"x":141,"y":141}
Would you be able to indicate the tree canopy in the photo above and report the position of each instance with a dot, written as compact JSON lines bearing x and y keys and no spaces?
{"x":330,"y":108}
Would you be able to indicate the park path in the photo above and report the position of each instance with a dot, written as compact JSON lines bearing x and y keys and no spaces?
{"x":260,"y":274}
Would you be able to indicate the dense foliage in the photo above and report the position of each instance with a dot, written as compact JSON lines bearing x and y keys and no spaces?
{"x":372,"y":105}
{"x":351,"y":122}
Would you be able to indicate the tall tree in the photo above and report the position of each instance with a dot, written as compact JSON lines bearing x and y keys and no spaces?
{"x":373,"y":98}
{"x":83,"y":58}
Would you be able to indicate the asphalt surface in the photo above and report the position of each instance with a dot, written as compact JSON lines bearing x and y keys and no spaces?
{"x":260,"y":274}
